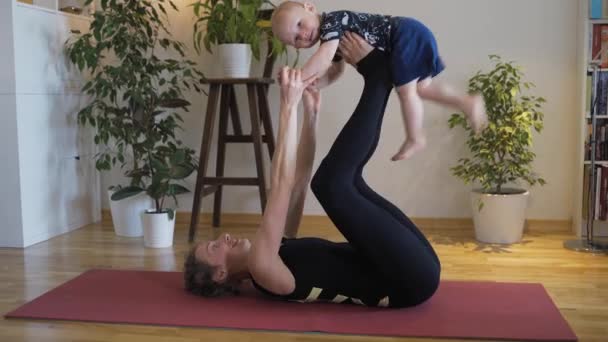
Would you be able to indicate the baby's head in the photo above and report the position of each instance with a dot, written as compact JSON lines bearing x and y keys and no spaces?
{"x":296,"y":24}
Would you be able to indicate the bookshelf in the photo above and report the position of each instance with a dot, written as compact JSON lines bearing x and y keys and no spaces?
{"x":63,"y":7}
{"x":589,"y":47}
{"x":54,"y":190}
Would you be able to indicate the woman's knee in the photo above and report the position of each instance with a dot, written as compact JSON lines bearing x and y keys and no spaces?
{"x":327,"y":183}
{"x":326,"y":171}
{"x":319,"y":176}
{"x":319,"y":181}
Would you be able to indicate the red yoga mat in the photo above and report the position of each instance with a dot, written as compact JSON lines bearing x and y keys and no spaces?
{"x":459,"y":309}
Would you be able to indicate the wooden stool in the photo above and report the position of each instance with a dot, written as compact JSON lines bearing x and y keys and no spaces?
{"x":257,"y":92}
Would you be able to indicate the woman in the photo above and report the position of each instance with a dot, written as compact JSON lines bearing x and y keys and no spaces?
{"x":386,"y":262}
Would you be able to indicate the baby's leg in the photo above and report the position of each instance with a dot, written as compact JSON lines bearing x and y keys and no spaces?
{"x":440,"y":92}
{"x":412,"y":110}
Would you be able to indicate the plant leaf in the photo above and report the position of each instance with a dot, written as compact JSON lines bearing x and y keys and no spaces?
{"x":126,"y":192}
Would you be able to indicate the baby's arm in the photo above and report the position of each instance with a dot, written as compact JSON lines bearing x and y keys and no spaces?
{"x":320,"y":62}
{"x":333,"y":74}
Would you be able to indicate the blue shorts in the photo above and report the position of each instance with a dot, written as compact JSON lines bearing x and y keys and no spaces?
{"x":414,"y":53}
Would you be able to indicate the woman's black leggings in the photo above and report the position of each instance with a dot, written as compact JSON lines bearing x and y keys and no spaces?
{"x":372,"y":225}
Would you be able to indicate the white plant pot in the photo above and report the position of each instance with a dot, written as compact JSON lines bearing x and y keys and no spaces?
{"x":158,"y":229}
{"x":502,"y":218}
{"x":126,"y":214}
{"x":235,"y":60}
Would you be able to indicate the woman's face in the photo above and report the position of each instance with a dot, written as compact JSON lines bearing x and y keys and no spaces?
{"x":222,"y":251}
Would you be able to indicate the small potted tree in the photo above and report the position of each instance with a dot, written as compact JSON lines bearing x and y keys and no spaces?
{"x":130,"y":84}
{"x":501,"y":154}
{"x":165,"y":165}
{"x":236,"y":27}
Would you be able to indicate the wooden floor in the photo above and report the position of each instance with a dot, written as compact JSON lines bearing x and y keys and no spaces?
{"x":577,"y":282}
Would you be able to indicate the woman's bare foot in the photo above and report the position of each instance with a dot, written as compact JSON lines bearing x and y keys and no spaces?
{"x":409,"y":148}
{"x":475,"y":110}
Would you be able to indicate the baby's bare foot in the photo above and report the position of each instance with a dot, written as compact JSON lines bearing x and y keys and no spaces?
{"x":475,"y":110}
{"x":409,"y":148}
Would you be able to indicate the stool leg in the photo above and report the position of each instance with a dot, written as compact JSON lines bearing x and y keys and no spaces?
{"x":203,"y":158}
{"x":221,"y":150}
{"x":265,"y":116}
{"x":257,"y":143}
{"x":234,"y":113}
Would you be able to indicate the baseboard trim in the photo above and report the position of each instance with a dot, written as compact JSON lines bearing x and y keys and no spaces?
{"x":228,"y":219}
{"x":30,"y":240}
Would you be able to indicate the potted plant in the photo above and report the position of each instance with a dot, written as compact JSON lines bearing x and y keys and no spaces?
{"x":501,"y":154}
{"x":130,"y":85}
{"x":124,"y":221}
{"x":165,"y":165}
{"x":236,"y":27}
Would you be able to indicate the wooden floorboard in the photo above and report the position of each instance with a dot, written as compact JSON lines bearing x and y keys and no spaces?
{"x":577,"y":282}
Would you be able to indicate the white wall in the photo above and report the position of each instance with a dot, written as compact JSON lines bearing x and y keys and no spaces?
{"x":540,"y":35}
{"x":10,"y":203}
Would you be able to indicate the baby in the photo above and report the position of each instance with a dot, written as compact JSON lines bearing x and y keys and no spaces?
{"x":413,"y":57}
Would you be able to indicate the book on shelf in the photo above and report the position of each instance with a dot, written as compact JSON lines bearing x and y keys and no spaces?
{"x":601,"y":107}
{"x":601,"y":141}
{"x":585,"y":191}
{"x":600,"y":198}
{"x":588,"y":93}
{"x":600,"y":194}
{"x":598,"y":9}
{"x":598,"y":44}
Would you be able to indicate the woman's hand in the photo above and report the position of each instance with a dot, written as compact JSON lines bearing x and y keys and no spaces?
{"x":353,"y":48}
{"x":292,"y":86}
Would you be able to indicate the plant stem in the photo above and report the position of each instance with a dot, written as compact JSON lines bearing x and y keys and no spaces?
{"x":501,"y":178}
{"x":158,"y":205}
{"x":134,"y":158}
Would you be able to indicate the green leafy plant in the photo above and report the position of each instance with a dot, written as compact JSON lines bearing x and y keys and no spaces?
{"x":233,"y":22}
{"x":501,"y":154}
{"x":276,"y":47}
{"x":135,"y":94}
{"x":165,"y":165}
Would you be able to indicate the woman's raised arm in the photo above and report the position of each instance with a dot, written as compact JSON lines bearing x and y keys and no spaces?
{"x":265,"y":265}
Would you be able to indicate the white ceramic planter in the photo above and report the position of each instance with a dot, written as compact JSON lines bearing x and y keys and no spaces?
{"x":126,"y":214}
{"x":502,"y":218}
{"x":158,"y":229}
{"x":235,"y":60}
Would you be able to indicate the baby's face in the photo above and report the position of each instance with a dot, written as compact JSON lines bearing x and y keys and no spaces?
{"x":297,"y":26}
